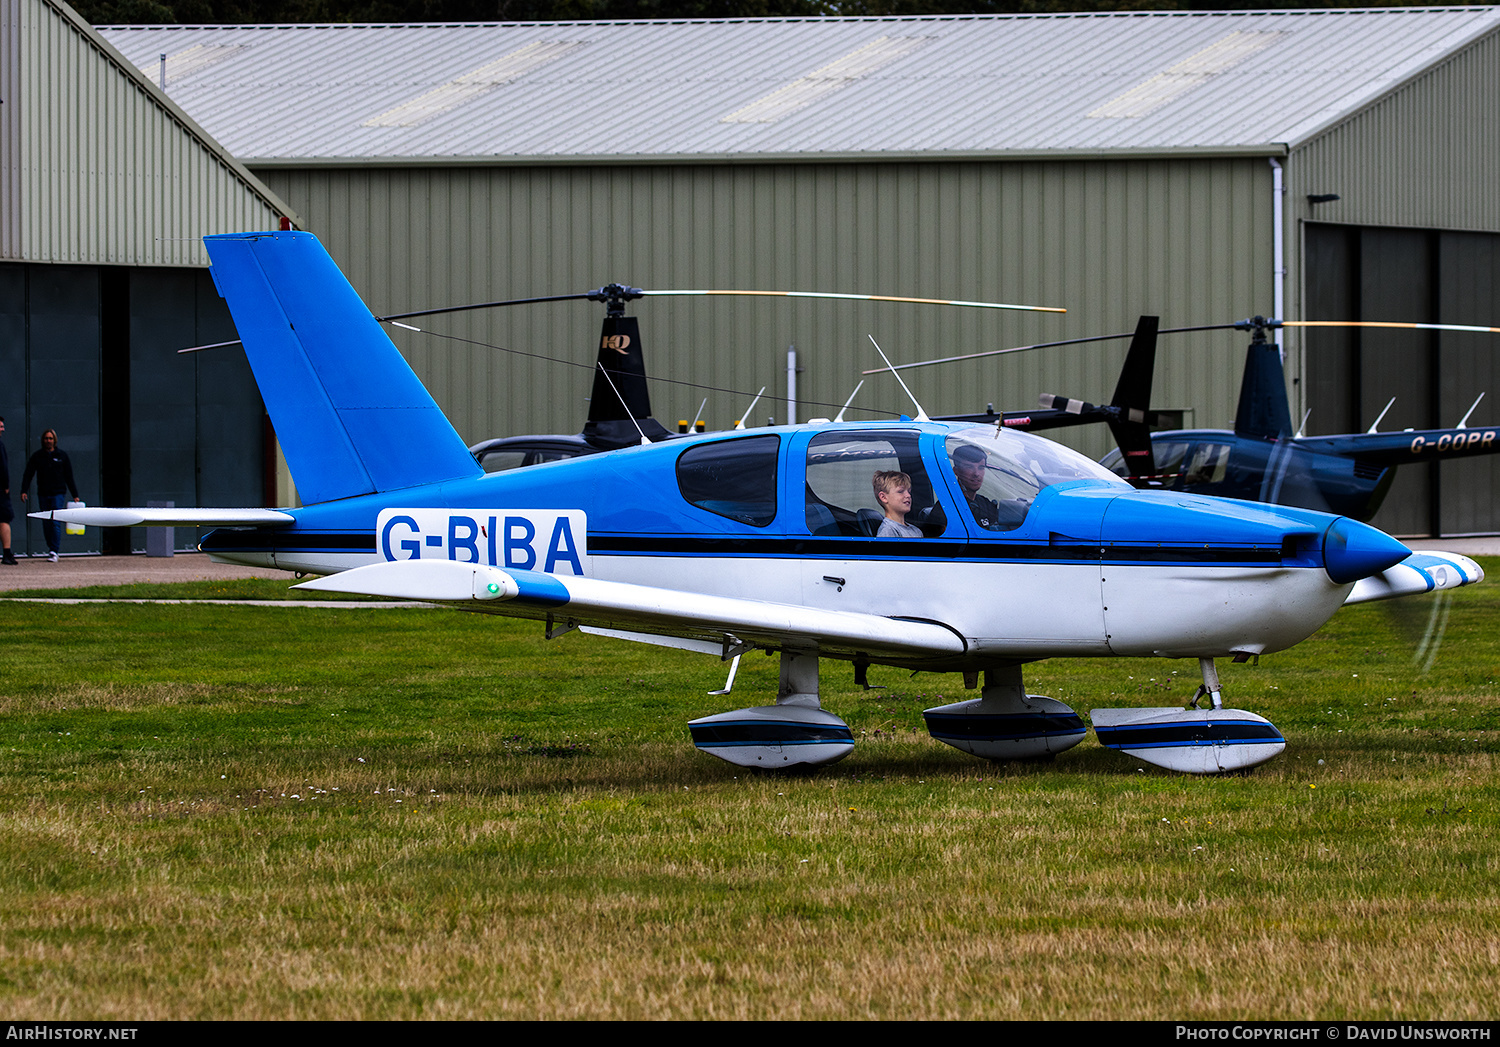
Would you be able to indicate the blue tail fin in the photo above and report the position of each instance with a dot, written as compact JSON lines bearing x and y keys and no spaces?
{"x":351,"y":416}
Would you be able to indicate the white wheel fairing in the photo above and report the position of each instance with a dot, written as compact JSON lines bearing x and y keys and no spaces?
{"x":1006,"y":730}
{"x":1193,"y":741}
{"x":774,"y":737}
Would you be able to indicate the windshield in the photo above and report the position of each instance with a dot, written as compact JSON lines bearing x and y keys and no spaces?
{"x":1001,"y":473}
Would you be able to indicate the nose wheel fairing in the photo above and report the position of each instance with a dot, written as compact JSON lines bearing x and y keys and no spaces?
{"x":1193,"y":741}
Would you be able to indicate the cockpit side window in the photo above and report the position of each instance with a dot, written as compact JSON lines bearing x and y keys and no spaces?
{"x":732,"y":478}
{"x":1208,"y":464}
{"x":841,"y":469}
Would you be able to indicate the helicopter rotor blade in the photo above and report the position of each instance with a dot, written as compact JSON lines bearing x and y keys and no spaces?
{"x":1385,"y":323}
{"x":213,"y":345}
{"x":866,"y":298}
{"x":629,"y":293}
{"x":1050,"y":345}
{"x":487,"y":305}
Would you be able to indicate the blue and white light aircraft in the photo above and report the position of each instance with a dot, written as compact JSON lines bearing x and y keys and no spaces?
{"x":768,"y":539}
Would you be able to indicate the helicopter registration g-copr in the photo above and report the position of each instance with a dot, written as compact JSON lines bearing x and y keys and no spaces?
{"x":769,"y":539}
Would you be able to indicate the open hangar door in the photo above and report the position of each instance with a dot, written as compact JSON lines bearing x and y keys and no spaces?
{"x":1415,"y":275}
{"x":90,"y":351}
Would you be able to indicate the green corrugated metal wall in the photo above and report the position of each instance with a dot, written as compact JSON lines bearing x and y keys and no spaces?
{"x":1426,"y":156}
{"x":1187,"y":239}
{"x":97,"y":169}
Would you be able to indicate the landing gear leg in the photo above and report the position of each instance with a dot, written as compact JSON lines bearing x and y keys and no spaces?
{"x":1209,"y":687}
{"x":799,"y":680}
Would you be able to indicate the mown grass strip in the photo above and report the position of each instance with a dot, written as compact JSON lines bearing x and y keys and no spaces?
{"x":211,"y":811}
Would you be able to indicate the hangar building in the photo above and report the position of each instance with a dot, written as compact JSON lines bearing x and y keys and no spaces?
{"x":1199,"y":166}
{"x":1114,"y":164}
{"x":105,"y":187}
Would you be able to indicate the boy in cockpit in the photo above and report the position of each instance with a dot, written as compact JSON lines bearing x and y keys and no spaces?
{"x":893,"y":492}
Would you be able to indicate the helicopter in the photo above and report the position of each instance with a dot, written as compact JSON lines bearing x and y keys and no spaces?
{"x":726,"y":543}
{"x":1261,"y":459}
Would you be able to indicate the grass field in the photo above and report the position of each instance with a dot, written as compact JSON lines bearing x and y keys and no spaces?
{"x":251,"y":812}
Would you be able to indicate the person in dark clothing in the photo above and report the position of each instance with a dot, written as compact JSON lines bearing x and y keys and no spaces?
{"x":969,"y":467}
{"x":7,"y":513}
{"x":54,"y":481}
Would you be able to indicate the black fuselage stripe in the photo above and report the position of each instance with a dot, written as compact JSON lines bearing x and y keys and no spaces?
{"x":287,"y":542}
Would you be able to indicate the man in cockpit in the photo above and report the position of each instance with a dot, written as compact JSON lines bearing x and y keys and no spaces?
{"x":969,"y":467}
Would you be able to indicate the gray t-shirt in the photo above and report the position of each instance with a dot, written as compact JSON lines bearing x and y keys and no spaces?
{"x":891,"y":529}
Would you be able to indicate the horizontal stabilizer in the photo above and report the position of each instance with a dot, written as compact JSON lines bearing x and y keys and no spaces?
{"x":644,"y":609}
{"x":1421,"y":572}
{"x":138,"y":517}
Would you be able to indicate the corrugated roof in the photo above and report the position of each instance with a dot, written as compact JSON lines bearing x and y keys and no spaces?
{"x":773,"y":88}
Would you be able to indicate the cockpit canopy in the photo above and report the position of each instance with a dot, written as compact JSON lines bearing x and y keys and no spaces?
{"x":1001,"y":472}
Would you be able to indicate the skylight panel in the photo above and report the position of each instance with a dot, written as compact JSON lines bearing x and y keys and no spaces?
{"x":836,"y":74}
{"x":472,"y":84}
{"x":190,"y":60}
{"x":1199,"y":68}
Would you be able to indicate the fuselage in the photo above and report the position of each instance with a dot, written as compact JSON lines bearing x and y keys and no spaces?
{"x":1052,"y":556}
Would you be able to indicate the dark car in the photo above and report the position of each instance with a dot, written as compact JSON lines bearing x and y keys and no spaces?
{"x":513,"y":452}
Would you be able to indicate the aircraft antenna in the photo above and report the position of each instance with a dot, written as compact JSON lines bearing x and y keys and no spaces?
{"x":694,"y":426}
{"x":645,"y":440}
{"x":741,"y":423}
{"x":734,"y":668}
{"x":1381,"y":415}
{"x":1463,"y":422}
{"x":840,"y":416}
{"x":921,"y":412}
{"x":1302,"y":429}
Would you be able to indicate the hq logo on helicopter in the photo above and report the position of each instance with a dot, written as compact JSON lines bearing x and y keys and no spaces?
{"x":550,"y":540}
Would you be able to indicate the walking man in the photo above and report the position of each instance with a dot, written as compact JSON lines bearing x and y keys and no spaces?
{"x":54,"y":481}
{"x":7,"y":513}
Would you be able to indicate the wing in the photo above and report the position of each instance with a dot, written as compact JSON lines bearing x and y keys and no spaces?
{"x":725,"y":622}
{"x":139,"y":517}
{"x":1421,"y":572}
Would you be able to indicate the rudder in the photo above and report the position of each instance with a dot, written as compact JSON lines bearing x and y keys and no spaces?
{"x":351,"y":415}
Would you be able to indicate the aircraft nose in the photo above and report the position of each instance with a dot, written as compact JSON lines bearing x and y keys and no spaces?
{"x":1353,"y":550}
